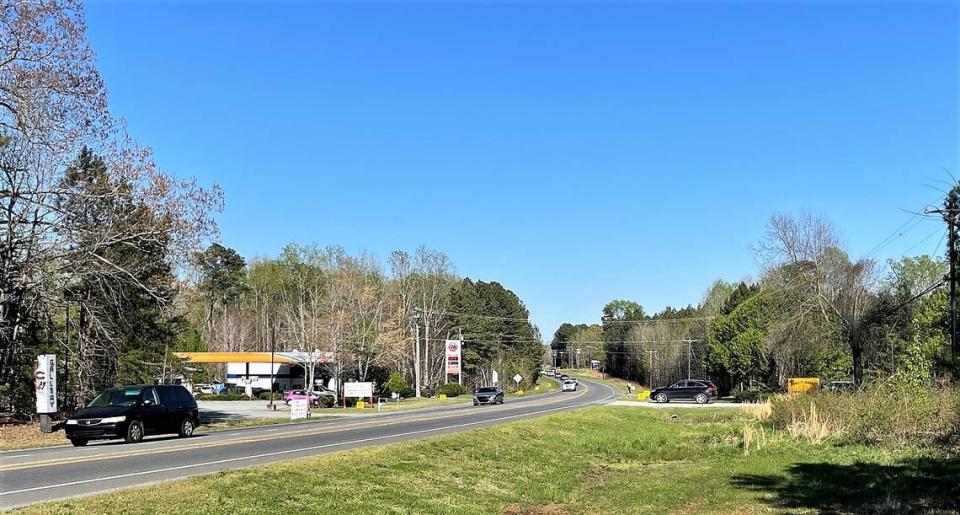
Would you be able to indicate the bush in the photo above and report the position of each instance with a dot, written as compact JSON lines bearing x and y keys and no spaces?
{"x":451,"y":389}
{"x":265,"y":396}
{"x":751,"y":396}
{"x":325,"y":401}
{"x":885,"y":415}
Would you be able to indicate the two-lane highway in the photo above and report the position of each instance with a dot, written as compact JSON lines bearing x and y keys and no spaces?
{"x":36,"y":475}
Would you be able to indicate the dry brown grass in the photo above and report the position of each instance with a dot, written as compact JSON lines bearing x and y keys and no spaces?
{"x":809,"y":425}
{"x":757,"y":410}
{"x":25,"y":436}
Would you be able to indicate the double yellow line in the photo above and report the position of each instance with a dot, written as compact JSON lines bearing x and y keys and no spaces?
{"x":242,"y":440}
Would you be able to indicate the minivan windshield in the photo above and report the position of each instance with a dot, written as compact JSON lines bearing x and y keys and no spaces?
{"x":116,"y":397}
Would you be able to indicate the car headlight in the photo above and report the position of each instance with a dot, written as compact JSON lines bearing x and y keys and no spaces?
{"x":113,"y":420}
{"x":72,"y":422}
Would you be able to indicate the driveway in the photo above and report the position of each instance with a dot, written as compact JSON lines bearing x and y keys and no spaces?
{"x":218,"y":411}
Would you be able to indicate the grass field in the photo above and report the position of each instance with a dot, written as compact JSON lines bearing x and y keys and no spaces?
{"x":598,"y":460}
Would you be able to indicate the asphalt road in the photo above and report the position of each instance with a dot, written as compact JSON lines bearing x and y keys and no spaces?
{"x":38,"y":475}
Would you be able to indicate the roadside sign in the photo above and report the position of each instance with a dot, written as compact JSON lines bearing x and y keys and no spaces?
{"x":299,"y":408}
{"x":802,"y":384}
{"x":45,"y":380}
{"x":358,"y":390}
{"x":517,"y":378}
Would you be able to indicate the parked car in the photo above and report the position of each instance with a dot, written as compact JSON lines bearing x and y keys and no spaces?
{"x":569,"y":386}
{"x":697,"y":390}
{"x":131,"y":412}
{"x":488,"y":395}
{"x":315,"y":395}
{"x":203,"y":388}
{"x":550,"y":373}
{"x":841,"y":386}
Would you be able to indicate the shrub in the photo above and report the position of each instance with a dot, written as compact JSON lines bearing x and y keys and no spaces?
{"x":887,"y":415}
{"x":451,"y":389}
{"x":325,"y":401}
{"x":265,"y":396}
{"x":396,"y":384}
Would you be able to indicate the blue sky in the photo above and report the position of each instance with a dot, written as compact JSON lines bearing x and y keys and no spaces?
{"x":575,"y":152}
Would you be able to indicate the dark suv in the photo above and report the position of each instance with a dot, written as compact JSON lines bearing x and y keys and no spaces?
{"x":131,"y":412}
{"x":697,"y":390}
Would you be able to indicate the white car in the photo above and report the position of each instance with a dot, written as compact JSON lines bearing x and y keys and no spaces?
{"x":569,"y":386}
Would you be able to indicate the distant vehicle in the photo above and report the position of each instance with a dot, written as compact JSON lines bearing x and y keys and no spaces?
{"x":569,"y":386}
{"x":131,"y":412}
{"x":203,"y":388}
{"x":697,"y":390}
{"x":564,"y":377}
{"x":488,"y":395}
{"x":550,"y":373}
{"x":315,"y":395}
{"x":841,"y":386}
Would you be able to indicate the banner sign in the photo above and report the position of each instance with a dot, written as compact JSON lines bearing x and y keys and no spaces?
{"x":454,"y":354}
{"x":358,"y":390}
{"x":45,"y":379}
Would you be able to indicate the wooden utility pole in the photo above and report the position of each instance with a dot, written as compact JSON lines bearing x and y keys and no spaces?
{"x":416,"y":355}
{"x":949,"y":214}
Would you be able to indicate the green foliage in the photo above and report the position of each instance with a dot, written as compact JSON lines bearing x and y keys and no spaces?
{"x":451,"y":389}
{"x":325,"y":401}
{"x":888,"y":414}
{"x":396,"y":384}
{"x":502,"y":337}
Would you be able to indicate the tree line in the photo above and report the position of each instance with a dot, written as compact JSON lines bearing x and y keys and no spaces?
{"x":813,"y":311}
{"x":366,"y":315}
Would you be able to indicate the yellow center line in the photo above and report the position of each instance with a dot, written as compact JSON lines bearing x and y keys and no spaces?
{"x":241,"y":440}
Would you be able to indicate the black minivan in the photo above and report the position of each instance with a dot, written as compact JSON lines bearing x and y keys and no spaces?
{"x":130,"y":412}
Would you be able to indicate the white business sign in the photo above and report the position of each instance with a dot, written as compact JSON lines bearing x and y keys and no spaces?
{"x":454,"y":356}
{"x":299,"y":408}
{"x":358,"y":390}
{"x":45,"y":379}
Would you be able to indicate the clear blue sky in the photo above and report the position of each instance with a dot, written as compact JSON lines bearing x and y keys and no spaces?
{"x":576,"y":153}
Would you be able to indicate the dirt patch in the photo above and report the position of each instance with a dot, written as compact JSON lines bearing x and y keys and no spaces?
{"x":25,"y":436}
{"x":546,"y":509}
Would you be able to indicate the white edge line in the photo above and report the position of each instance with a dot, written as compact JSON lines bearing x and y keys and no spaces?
{"x":289,"y":451}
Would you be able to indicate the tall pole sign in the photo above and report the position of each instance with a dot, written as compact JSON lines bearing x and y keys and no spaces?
{"x":454,"y":355}
{"x":45,"y":380}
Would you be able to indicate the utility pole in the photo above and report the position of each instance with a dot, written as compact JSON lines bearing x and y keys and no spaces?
{"x":689,"y":352}
{"x":460,"y":374}
{"x":273,"y":343}
{"x":416,"y":356}
{"x":578,"y":359}
{"x":650,"y":354}
{"x":949,"y":214}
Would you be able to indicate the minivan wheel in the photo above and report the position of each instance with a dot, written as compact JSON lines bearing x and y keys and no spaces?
{"x":78,"y":442}
{"x":186,"y":428}
{"x":134,"y":432}
{"x":661,"y":398}
{"x":701,"y":398}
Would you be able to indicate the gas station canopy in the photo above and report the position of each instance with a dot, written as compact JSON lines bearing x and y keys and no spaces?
{"x":295,"y":357}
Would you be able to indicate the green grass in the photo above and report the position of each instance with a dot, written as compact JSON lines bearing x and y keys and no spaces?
{"x":598,"y":460}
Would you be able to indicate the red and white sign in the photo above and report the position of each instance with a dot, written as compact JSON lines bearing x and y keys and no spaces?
{"x":454,"y":354}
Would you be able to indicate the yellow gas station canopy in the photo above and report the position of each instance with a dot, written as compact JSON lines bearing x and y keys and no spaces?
{"x":234,"y":357}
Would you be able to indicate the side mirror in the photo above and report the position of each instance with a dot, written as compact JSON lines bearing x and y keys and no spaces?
{"x":147,"y":402}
